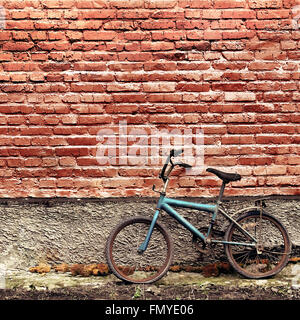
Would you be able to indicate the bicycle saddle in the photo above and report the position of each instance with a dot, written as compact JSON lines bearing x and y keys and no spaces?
{"x":226,"y":177}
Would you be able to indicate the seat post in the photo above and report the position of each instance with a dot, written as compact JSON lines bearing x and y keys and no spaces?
{"x":221,"y":192}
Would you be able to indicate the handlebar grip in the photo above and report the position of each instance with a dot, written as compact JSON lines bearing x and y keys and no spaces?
{"x":176,"y":153}
{"x":173,"y":153}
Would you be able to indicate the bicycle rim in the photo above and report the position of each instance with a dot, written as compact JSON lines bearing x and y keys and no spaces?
{"x":271,"y":253}
{"x":122,"y":251}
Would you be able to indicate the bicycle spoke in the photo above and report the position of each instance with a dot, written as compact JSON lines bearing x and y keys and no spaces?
{"x":272,"y":247}
{"x":124,"y":259}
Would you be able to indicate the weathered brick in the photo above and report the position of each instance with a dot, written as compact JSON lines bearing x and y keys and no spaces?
{"x":273,"y":14}
{"x":211,"y":14}
{"x":212,"y":35}
{"x":240,"y":96}
{"x":238,"y":14}
{"x":17,"y":46}
{"x":262,"y":66}
{"x":71,"y":68}
{"x":225,"y":4}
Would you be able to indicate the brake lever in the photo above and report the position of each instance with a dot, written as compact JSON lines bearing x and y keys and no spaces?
{"x":153,"y":188}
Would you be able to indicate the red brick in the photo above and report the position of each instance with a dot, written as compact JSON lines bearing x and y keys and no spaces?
{"x":19,"y":25}
{"x":173,"y":119}
{"x":6,"y":56}
{"x":159,"y":87}
{"x":212,"y":35}
{"x":199,"y":4}
{"x":88,"y":4}
{"x":194,"y":87}
{"x":17,"y":46}
{"x":238,"y":118}
{"x":228,"y":86}
{"x":52,"y":4}
{"x":161,"y":4}
{"x":273,"y":86}
{"x":99,"y":119}
{"x":99,"y":14}
{"x":255,"y":161}
{"x":5,"y":35}
{"x":13,"y":88}
{"x":133,"y":14}
{"x":240,"y":96}
{"x":271,"y":139}
{"x":238,"y":14}
{"x":15,"y":162}
{"x":49,"y":162}
{"x":286,"y":180}
{"x":156,"y":46}
{"x":238,"y":34}
{"x":277,"y":97}
{"x":225,"y":4}
{"x":32,"y":162}
{"x":273,"y":14}
{"x":130,"y":87}
{"x":211,"y":14}
{"x":20,"y":35}
{"x":168,"y":14}
{"x":157,"y":25}
{"x":288,"y":45}
{"x":227,"y":24}
{"x":22,"y":142}
{"x":4,"y":77}
{"x":67,"y":161}
{"x":82,"y":141}
{"x":265,"y":4}
{"x":99,"y":35}
{"x":88,"y":87}
{"x":47,"y":183}
{"x":128,"y":98}
{"x":17,"y":77}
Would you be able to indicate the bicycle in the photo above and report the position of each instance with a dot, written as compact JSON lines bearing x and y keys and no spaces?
{"x":140,"y":249}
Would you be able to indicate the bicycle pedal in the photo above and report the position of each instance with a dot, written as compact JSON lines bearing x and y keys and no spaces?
{"x":198,"y":247}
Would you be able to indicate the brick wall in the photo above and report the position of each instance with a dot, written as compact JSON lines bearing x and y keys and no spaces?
{"x":71,"y":68}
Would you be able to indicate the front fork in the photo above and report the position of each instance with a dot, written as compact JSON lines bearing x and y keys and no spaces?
{"x":142,"y":248}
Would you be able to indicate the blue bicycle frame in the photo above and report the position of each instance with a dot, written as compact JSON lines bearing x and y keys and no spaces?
{"x":166,"y":204}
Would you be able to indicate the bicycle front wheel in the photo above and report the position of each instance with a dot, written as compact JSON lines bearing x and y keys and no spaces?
{"x":271,"y":252}
{"x":124,"y":259}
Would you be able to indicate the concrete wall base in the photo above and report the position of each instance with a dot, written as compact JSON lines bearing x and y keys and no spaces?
{"x":59,"y":230}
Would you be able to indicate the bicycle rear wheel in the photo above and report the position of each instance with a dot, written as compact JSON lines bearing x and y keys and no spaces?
{"x":124,"y":259}
{"x":271,"y":253}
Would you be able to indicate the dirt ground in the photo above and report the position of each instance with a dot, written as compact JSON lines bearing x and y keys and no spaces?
{"x":23,"y":285}
{"x":114,"y":291}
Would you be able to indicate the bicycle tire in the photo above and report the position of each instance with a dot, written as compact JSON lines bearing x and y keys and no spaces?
{"x":271,"y":254}
{"x":124,"y":260}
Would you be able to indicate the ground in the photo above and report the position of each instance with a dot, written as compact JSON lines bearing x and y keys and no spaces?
{"x":174,"y":286}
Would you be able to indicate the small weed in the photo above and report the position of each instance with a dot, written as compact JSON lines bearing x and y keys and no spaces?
{"x":138,"y":293}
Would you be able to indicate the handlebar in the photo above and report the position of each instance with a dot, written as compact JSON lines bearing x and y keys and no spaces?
{"x":173,"y":153}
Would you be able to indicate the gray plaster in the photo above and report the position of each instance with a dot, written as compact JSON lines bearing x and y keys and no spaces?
{"x":75,"y":231}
